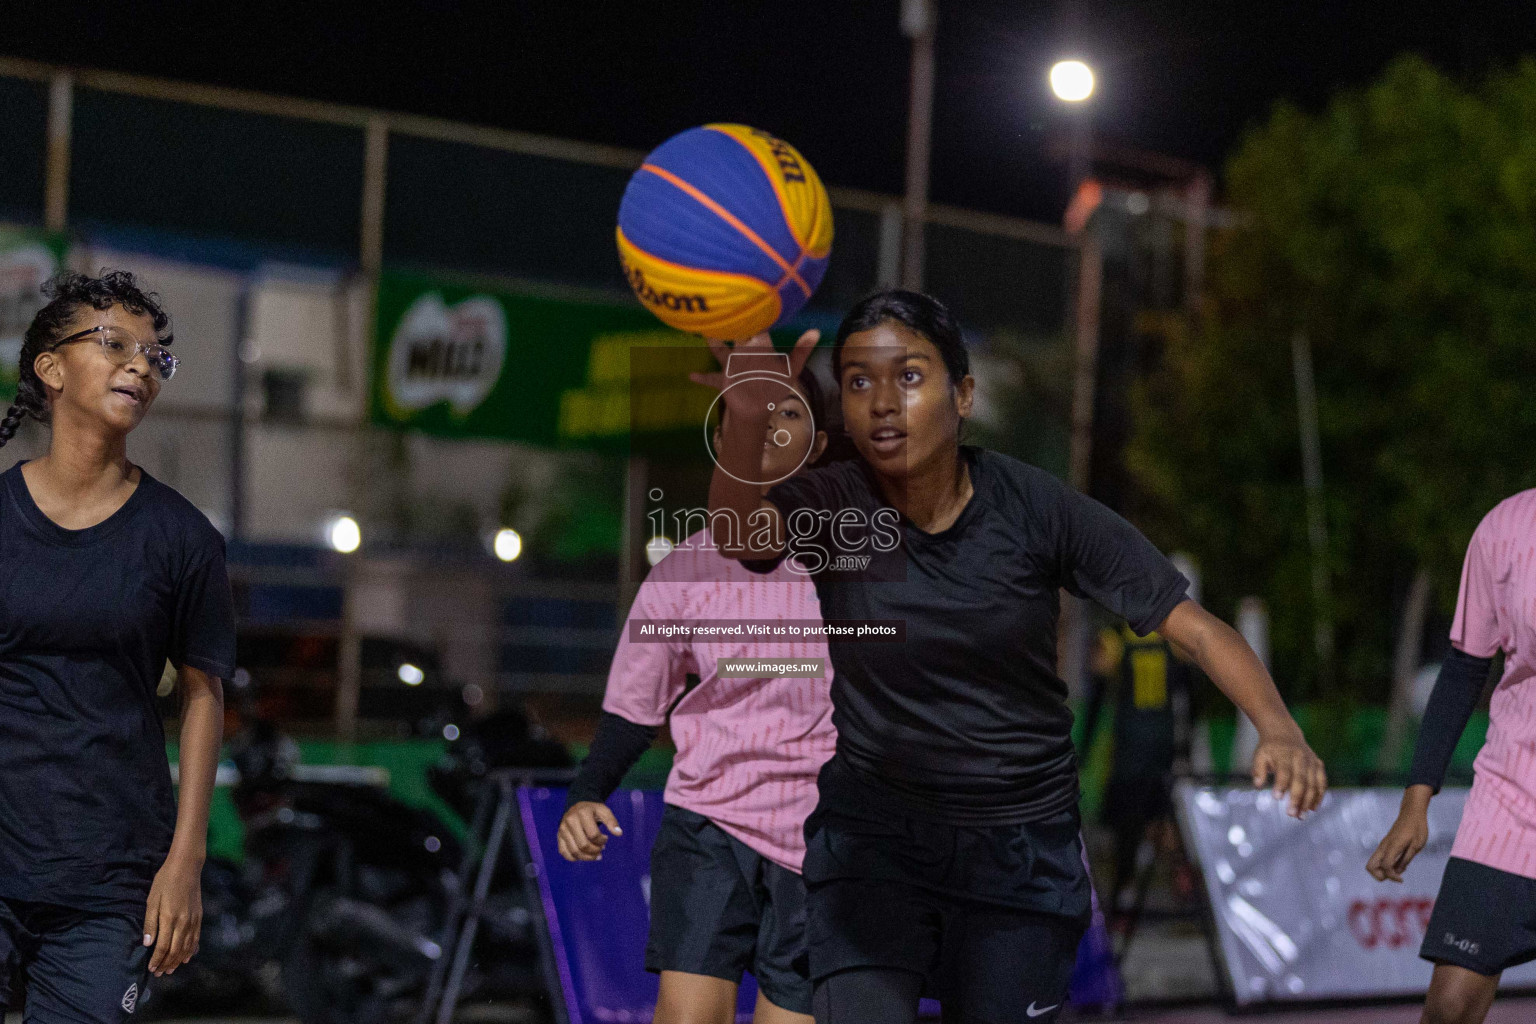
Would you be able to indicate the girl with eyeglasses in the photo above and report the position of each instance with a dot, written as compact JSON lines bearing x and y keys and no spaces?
{"x":108,"y":575}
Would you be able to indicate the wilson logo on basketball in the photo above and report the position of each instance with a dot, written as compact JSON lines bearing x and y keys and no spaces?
{"x":729,"y":212}
{"x":1390,"y":923}
{"x":648,"y":294}
{"x":784,"y":155}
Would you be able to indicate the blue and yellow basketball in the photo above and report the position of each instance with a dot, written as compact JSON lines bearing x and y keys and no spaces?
{"x":724,"y":231}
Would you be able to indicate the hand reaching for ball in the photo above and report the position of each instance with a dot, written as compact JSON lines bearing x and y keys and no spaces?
{"x":760,"y":368}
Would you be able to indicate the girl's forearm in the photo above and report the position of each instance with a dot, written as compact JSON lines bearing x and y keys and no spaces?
{"x":1224,"y":656}
{"x":731,"y":490}
{"x":1239,"y":673}
{"x":202,"y":734}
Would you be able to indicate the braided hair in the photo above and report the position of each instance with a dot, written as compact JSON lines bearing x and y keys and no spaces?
{"x":68,"y":294}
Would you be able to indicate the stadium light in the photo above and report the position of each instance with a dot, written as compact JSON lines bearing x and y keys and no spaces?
{"x":343,"y":534}
{"x":507,"y":544}
{"x":1072,"y":81}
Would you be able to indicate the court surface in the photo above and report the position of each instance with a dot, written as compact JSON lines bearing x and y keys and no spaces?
{"x":1505,"y":1011}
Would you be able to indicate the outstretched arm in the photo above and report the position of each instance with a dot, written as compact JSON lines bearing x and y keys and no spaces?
{"x":1223,"y":654}
{"x":732,"y":490}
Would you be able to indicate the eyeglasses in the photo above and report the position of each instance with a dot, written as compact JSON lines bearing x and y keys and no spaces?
{"x":121,"y":347}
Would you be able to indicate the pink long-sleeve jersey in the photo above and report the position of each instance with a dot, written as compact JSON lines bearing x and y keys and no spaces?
{"x":748,"y":748}
{"x":1496,"y":610}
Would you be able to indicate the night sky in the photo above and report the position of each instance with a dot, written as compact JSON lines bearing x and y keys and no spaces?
{"x":1182,"y":78}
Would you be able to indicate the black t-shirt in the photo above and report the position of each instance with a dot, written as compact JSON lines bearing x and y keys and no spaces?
{"x":966,"y":721}
{"x":88,"y":619}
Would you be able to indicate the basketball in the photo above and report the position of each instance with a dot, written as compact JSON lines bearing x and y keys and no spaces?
{"x":724,"y":231}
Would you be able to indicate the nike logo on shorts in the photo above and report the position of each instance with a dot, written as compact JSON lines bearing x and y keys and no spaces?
{"x":1042,"y":1011}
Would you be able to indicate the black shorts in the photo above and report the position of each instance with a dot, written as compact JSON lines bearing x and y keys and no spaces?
{"x":719,"y":908}
{"x":1484,"y":919}
{"x":981,"y":961}
{"x":79,"y":967}
{"x":990,"y":915}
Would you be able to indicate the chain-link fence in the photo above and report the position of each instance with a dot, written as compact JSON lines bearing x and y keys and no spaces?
{"x":263,"y":222}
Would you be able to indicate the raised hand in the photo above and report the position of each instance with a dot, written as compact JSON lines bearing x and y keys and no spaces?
{"x":753,"y":357}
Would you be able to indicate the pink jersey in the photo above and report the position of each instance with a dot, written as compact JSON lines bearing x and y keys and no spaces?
{"x":1496,"y":610}
{"x":748,"y":749}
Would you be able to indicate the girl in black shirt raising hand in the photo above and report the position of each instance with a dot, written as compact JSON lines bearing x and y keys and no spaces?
{"x":944,"y":850}
{"x":108,"y":575}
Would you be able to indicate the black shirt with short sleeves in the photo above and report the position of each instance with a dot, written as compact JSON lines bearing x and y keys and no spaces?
{"x":966,"y":721}
{"x":88,"y":619}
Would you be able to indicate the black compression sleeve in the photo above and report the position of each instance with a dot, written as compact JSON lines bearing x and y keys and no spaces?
{"x":616,"y":747}
{"x":1455,"y":695}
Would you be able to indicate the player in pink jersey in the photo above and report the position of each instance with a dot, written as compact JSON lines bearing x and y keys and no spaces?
{"x":1484,"y":919}
{"x":726,"y":892}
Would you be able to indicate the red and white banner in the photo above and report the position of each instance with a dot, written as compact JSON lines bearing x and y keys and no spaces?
{"x":1297,"y":916}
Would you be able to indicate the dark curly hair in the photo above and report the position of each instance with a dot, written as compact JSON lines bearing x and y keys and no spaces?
{"x":68,"y":294}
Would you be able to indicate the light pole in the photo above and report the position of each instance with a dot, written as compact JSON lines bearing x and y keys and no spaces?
{"x":917,"y":24}
{"x":344,"y":536}
{"x":1072,"y":82}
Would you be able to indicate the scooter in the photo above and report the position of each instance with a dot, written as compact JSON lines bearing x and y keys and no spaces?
{"x":338,"y":912}
{"x":335,"y":913}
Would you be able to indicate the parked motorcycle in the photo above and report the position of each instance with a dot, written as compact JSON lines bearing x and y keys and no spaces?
{"x":340,"y":908}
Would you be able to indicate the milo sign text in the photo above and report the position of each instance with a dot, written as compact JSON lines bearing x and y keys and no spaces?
{"x":447,"y":353}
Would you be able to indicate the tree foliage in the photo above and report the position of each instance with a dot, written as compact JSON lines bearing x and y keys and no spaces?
{"x":1397,"y":229}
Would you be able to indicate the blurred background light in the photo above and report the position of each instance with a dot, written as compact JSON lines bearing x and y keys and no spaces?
{"x":344,"y":534}
{"x":1072,"y":80}
{"x":657,"y":549}
{"x":508,"y":544}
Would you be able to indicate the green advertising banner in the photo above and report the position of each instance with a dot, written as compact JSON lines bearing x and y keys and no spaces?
{"x":456,"y":360}
{"x":27,"y":259}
